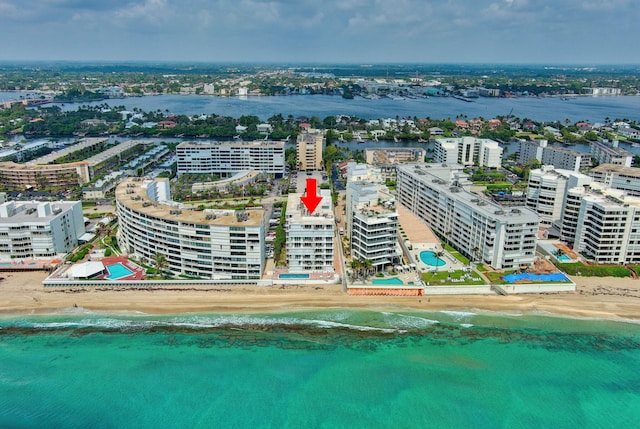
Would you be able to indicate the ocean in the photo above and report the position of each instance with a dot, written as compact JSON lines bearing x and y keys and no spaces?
{"x":334,"y":368}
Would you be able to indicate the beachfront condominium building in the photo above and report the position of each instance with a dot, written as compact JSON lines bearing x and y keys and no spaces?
{"x":39,"y":229}
{"x":547,"y":189}
{"x":602,"y":224}
{"x":609,"y":153}
{"x":228,"y":158}
{"x":468,"y":151}
{"x":558,"y":157}
{"x":309,"y":236}
{"x":372,"y":224}
{"x":618,"y":177}
{"x":309,"y":149}
{"x":478,"y":228}
{"x":208,"y":244}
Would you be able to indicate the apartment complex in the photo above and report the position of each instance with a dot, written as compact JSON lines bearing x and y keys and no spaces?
{"x":372,"y":224}
{"x":547,"y":189}
{"x":468,"y":151}
{"x":310,"y":236}
{"x":480,"y":229}
{"x":45,"y":171}
{"x":603,"y":224}
{"x":618,"y":177}
{"x":558,"y":157}
{"x":209,"y":244}
{"x":39,"y":230}
{"x":609,"y":153}
{"x":309,"y":146}
{"x":228,"y":158}
{"x":392,"y":156}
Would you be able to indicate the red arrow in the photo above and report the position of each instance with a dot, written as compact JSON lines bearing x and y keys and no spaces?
{"x":312,"y":200}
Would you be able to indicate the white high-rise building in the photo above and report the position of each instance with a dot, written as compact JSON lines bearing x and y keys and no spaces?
{"x":310,"y":235}
{"x":618,"y":177}
{"x":372,"y":224}
{"x":603,"y":224}
{"x":610,"y":153}
{"x":209,"y":244}
{"x":468,"y":151}
{"x":39,"y":229}
{"x":558,"y":157}
{"x":547,"y":189}
{"x":229,"y":158}
{"x":480,"y":229}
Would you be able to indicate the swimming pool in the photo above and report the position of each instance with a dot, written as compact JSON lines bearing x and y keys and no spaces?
{"x":552,"y":277}
{"x":429,"y":258}
{"x":389,"y":281}
{"x":564,"y":258}
{"x":285,"y":276}
{"x":118,"y":271}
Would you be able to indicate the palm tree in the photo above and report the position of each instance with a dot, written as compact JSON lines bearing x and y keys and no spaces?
{"x":161,"y":263}
{"x":367,"y":265}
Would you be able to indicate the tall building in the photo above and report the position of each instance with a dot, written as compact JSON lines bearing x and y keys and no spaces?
{"x":547,"y":189}
{"x":558,"y":157}
{"x":372,"y":224}
{"x":310,"y":236}
{"x":209,"y":244}
{"x":618,"y":177}
{"x":603,"y":224}
{"x":39,"y":229}
{"x":468,"y":151}
{"x":392,"y":156}
{"x":480,"y":229}
{"x":609,"y":153}
{"x":228,"y":158}
{"x":309,"y":150}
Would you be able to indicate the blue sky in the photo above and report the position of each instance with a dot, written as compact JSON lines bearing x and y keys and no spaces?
{"x":352,"y":31}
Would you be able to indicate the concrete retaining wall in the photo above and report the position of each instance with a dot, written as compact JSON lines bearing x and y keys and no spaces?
{"x":459,"y":290}
{"x":508,"y":289}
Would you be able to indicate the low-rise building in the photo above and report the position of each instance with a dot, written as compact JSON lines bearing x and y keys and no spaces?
{"x":609,"y":153}
{"x":558,"y":157}
{"x":39,"y":229}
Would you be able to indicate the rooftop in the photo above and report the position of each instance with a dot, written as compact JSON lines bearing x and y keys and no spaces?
{"x":132,"y":193}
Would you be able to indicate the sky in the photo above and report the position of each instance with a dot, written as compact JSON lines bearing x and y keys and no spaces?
{"x":321,"y":31}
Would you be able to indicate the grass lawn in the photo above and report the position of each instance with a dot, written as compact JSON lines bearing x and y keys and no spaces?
{"x":459,"y":256}
{"x":580,"y":269}
{"x":445,"y":277}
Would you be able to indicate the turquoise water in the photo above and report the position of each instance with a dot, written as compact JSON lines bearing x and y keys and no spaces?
{"x":293,"y":276}
{"x":389,"y":281}
{"x":429,"y":258}
{"x":564,"y":258}
{"x":117,"y":271}
{"x":326,"y":368}
{"x":551,"y":277}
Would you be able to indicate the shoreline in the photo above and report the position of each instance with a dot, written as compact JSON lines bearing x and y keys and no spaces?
{"x":595,"y":298}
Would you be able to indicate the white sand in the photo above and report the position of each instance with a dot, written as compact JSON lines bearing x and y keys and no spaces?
{"x":23,"y":293}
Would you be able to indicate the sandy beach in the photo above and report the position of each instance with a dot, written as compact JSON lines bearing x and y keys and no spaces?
{"x":23,"y":293}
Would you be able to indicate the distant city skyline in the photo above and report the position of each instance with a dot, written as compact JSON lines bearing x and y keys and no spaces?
{"x":352,"y":31}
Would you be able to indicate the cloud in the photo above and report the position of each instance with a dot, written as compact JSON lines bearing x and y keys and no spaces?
{"x":305,"y":30}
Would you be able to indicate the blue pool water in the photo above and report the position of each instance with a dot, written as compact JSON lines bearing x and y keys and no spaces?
{"x":391,"y":281}
{"x":564,"y":258}
{"x":117,"y":271}
{"x":293,"y":276}
{"x":553,"y":277}
{"x":429,"y":258}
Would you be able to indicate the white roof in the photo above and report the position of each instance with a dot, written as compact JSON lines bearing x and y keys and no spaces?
{"x":86,"y":269}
